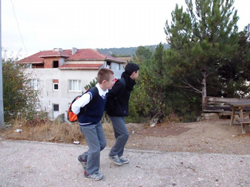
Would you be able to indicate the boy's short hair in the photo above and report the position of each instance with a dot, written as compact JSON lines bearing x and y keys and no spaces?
{"x":104,"y":74}
{"x":131,"y":67}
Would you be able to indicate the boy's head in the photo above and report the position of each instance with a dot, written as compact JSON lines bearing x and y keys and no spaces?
{"x":132,"y":70}
{"x":105,"y":77}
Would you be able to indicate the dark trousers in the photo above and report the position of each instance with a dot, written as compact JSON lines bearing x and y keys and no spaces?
{"x":121,"y":135}
{"x":96,"y":141}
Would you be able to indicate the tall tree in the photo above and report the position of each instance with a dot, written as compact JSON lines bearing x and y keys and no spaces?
{"x":202,"y":39}
{"x":234,"y":74}
{"x":156,"y":89}
{"x":143,"y":53}
{"x":155,"y":95}
{"x":152,"y":84}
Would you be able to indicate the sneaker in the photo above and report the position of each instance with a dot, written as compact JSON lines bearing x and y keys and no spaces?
{"x":95,"y":176}
{"x":115,"y":160}
{"x":83,"y":162}
{"x":124,"y":160}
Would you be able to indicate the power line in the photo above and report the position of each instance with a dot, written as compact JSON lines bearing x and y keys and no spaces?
{"x":18,"y":26}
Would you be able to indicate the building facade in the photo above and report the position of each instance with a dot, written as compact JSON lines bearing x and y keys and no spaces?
{"x":60,"y":75}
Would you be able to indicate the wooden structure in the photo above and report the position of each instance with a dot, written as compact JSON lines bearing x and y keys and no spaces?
{"x":221,"y":106}
{"x":229,"y":106}
{"x":244,"y":111}
{"x":243,"y":124}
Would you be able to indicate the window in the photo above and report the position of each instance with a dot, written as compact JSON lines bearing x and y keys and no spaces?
{"x":74,"y":85}
{"x":55,"y":86}
{"x":108,"y":65}
{"x":34,"y":83}
{"x":55,"y":64}
{"x":56,"y":107}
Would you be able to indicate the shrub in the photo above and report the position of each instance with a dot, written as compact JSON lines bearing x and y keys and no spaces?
{"x":20,"y":99}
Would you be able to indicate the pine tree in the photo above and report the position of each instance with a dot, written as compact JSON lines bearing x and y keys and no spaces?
{"x":234,"y":74}
{"x":202,"y":40}
{"x":151,"y":86}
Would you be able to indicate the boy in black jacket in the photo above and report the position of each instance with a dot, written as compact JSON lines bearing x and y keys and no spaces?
{"x":117,"y":108}
{"x":90,"y":123}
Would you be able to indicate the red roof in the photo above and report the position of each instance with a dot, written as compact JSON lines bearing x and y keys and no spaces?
{"x":80,"y":55}
{"x":80,"y":66}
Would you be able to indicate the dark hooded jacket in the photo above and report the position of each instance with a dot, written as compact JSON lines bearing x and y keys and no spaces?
{"x":118,"y":97}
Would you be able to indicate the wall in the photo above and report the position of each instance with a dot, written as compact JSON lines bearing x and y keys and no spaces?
{"x":118,"y":69}
{"x":63,"y":96}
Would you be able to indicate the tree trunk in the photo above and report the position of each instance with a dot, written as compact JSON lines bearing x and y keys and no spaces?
{"x":204,"y":89}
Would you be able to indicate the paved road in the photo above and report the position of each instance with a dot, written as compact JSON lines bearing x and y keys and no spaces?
{"x":30,"y":164}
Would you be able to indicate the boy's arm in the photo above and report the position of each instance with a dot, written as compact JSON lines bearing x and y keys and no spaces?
{"x":79,"y":103}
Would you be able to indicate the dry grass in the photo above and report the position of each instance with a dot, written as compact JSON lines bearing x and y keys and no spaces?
{"x":172,"y":118}
{"x":45,"y":130}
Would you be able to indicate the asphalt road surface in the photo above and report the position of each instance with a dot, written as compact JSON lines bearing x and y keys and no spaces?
{"x":30,"y":164}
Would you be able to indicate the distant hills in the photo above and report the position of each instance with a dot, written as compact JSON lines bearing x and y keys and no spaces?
{"x":126,"y":51}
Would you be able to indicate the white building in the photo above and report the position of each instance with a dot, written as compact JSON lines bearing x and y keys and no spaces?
{"x":60,"y":75}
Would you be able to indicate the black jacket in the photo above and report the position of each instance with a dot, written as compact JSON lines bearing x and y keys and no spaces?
{"x":118,"y":97}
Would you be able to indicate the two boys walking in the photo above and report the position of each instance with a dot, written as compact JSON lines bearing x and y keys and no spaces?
{"x":115,"y":98}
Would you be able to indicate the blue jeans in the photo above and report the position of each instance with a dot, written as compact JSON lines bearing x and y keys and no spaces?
{"x":96,"y":141}
{"x":121,"y":135}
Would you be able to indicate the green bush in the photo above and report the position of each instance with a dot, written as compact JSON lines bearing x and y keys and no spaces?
{"x":20,"y":99}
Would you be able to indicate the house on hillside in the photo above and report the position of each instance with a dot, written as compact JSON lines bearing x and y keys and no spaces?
{"x":60,"y":75}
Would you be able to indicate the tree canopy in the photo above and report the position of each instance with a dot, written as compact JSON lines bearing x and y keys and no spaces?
{"x":207,"y":57}
{"x":202,"y":39}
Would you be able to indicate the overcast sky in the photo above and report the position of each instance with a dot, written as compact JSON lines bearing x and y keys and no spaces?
{"x":35,"y":25}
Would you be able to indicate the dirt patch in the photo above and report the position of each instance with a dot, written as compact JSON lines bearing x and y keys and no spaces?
{"x":163,"y":130}
{"x":204,"y":137}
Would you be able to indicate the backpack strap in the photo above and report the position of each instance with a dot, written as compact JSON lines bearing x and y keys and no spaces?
{"x":95,"y":96}
{"x":122,"y":80}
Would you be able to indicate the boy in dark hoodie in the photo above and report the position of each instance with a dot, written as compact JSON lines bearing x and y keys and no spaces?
{"x":117,"y":108}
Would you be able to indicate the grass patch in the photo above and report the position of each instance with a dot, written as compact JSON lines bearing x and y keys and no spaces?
{"x":45,"y":131}
{"x":42,"y":129}
{"x":51,"y":131}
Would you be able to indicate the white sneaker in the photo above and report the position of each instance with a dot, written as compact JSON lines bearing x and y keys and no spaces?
{"x":95,"y":176}
{"x":124,"y":160}
{"x":116,"y":160}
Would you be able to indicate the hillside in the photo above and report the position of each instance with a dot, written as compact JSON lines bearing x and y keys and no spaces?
{"x":129,"y":51}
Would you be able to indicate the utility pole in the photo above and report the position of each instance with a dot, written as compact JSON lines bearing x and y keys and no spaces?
{"x":1,"y":73}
